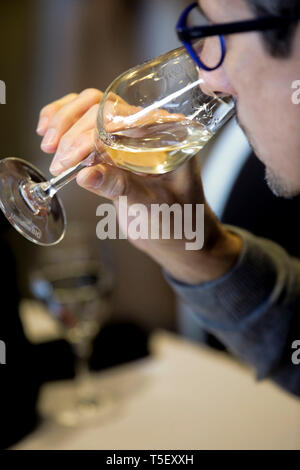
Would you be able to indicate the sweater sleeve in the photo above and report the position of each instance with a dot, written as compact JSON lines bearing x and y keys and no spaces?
{"x":254,"y":309}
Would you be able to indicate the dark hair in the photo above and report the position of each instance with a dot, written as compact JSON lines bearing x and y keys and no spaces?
{"x":278,"y":42}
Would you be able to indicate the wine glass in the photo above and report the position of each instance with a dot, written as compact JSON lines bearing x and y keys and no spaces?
{"x":77,"y":294}
{"x":151,"y":119}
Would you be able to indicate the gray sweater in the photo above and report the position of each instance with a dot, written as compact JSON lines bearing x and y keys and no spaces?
{"x":254,"y":309}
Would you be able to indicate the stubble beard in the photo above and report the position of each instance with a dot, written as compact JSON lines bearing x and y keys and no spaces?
{"x":277,"y":185}
{"x":275,"y":182}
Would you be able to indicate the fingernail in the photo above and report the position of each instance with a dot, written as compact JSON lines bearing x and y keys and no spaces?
{"x":50,"y":138}
{"x":42,"y":125}
{"x":66,"y":161}
{"x":92,"y":180}
{"x":56,"y":168}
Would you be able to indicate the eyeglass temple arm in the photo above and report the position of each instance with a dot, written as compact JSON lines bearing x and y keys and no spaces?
{"x":260,"y":24}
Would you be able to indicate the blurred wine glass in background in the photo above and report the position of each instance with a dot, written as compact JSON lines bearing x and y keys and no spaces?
{"x":75,"y":283}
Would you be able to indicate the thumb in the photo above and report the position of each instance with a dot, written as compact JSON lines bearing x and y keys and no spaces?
{"x":107,"y":181}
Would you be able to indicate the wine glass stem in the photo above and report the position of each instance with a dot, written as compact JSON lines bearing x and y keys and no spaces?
{"x":50,"y":188}
{"x":84,"y":388}
{"x":38,"y":195}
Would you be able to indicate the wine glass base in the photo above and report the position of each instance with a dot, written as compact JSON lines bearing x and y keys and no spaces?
{"x":45,"y":228}
{"x":85,"y":412}
{"x":60,"y":403}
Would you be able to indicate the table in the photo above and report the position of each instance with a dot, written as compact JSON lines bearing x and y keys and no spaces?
{"x":181,"y":397}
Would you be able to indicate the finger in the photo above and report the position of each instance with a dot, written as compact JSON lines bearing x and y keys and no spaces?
{"x":111,"y":182}
{"x":67,"y":116}
{"x":119,"y":116}
{"x":67,"y":150}
{"x":83,"y":145}
{"x":49,"y":110}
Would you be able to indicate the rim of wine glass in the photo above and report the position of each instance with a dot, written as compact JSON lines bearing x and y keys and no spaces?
{"x":11,"y":221}
{"x":154,"y":60}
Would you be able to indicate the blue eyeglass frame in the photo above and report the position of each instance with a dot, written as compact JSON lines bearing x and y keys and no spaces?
{"x":185,"y":33}
{"x":181,"y":28}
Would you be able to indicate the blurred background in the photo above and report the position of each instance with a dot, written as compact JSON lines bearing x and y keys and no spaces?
{"x":48,"y":49}
{"x":53,"y":47}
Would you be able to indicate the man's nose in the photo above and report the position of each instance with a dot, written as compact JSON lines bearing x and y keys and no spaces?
{"x":210,"y":53}
{"x":217,"y":81}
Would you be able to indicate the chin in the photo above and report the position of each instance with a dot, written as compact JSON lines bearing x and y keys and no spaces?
{"x":280,"y":186}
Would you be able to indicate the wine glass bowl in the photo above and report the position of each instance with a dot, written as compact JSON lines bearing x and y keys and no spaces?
{"x":75,"y":295}
{"x":157,"y":115}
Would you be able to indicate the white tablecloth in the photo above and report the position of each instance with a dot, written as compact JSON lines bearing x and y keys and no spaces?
{"x":183,"y":397}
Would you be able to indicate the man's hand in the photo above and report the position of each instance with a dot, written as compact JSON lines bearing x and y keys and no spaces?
{"x":68,"y":126}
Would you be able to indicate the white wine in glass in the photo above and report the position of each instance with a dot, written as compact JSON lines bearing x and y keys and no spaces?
{"x":151,"y":120}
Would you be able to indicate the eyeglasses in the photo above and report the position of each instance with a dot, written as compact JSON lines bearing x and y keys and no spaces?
{"x":188,"y":34}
